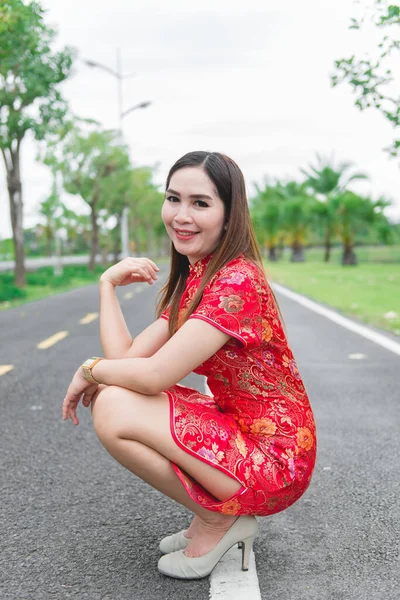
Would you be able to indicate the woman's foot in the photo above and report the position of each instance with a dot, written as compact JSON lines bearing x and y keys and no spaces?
{"x":204,"y":535}
{"x":191,"y":530}
{"x":179,"y":540}
{"x":181,"y":566}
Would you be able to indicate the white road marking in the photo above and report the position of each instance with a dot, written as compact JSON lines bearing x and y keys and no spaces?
{"x":89,"y":318}
{"x":37,"y":407}
{"x":57,"y":337}
{"x":375,"y":337}
{"x":228,"y":581}
{"x":128,"y":295}
{"x":357,"y":356}
{"x":5,"y":369}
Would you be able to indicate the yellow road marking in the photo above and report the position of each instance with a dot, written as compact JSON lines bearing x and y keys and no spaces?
{"x":5,"y":369}
{"x":52,"y":340}
{"x":89,"y":318}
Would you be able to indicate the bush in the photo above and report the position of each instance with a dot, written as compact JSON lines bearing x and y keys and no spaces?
{"x":10,"y":292}
{"x":40,"y":277}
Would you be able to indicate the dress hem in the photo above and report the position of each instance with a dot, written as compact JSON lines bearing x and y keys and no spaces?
{"x":178,"y":470}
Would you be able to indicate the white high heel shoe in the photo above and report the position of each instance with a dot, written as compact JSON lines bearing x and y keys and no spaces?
{"x":177,"y":564}
{"x":176,"y":541}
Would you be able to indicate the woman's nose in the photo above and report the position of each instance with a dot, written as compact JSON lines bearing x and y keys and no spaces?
{"x":183,"y":214}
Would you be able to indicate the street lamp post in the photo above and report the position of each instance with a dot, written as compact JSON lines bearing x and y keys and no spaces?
{"x":121,"y":115}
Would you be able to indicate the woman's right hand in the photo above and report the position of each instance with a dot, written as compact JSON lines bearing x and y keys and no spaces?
{"x":131,"y":270}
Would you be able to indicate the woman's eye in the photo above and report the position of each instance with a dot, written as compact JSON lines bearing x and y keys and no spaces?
{"x":174,"y":199}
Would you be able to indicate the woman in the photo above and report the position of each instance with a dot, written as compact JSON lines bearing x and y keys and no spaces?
{"x":248,"y":450}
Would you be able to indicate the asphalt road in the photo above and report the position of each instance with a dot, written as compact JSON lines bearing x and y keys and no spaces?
{"x":76,"y":524}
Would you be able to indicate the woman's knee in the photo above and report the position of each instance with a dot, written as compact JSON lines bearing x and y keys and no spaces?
{"x":103,"y":408}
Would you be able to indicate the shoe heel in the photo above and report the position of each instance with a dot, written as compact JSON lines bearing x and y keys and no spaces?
{"x":246,"y":546}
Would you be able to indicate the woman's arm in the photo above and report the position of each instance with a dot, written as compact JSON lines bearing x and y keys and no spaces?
{"x":115,"y":338}
{"x":191,"y":345}
{"x":114,"y":333}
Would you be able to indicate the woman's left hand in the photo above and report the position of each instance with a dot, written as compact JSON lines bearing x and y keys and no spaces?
{"x":78,"y":386}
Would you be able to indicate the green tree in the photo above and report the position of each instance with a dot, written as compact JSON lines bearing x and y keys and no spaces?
{"x":49,"y":209}
{"x":145,"y":209}
{"x":298,"y":208}
{"x":118,"y":196}
{"x":267,"y":216}
{"x":328,"y":181}
{"x":29,"y":99}
{"x":372,"y":79}
{"x":77,"y":230}
{"x":88,"y":159}
{"x":355,"y":213}
{"x":149,"y":211}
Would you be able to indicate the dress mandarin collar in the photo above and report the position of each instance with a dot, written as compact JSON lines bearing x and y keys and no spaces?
{"x":199,"y":267}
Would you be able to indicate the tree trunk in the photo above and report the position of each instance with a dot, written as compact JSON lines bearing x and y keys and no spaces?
{"x":297,"y":252}
{"x":133,"y":227}
{"x":14,"y":186}
{"x":327,"y":245}
{"x":137,"y":244}
{"x":95,"y":237}
{"x":117,"y":245}
{"x":150,"y":245}
{"x":349,"y":256}
{"x":281,"y":247}
{"x":58,"y":268}
{"x":104,"y":255}
{"x":272,"y":255}
{"x":49,"y":240}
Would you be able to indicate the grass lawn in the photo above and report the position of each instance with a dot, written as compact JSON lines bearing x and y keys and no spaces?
{"x":368,"y":291}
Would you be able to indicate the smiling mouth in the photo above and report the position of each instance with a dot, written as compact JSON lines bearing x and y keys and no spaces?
{"x":186,"y":233}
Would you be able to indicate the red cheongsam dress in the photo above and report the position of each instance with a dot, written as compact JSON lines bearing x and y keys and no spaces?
{"x":258,"y":426}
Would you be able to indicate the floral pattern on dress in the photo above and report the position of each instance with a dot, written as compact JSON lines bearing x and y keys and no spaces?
{"x":258,"y":426}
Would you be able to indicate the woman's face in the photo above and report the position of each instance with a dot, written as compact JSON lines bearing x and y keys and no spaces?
{"x":192,"y":206}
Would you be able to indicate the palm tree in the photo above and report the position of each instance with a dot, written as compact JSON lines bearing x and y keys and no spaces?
{"x":267,"y":214}
{"x":298,"y":208}
{"x":354,"y":213}
{"x":328,"y":181}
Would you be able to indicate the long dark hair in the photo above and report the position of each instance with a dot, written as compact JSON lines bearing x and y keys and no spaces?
{"x":238,"y":237}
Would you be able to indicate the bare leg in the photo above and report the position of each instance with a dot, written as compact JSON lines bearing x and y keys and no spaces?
{"x":134,"y":429}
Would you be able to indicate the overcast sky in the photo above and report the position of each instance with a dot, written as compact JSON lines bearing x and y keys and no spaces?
{"x":250,"y":79}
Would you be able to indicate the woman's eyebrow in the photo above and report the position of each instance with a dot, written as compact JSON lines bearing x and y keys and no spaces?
{"x":197,"y":196}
